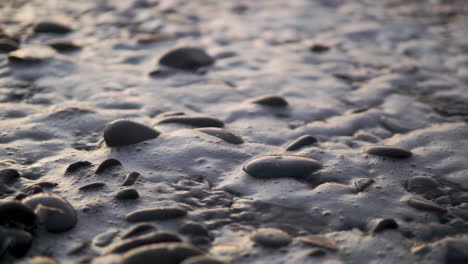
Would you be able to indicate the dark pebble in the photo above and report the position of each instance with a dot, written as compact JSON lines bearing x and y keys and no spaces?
{"x":384,"y":224}
{"x":92,"y":186}
{"x":105,"y":238}
{"x":46,"y":184}
{"x":131,"y":178}
{"x":165,"y":253}
{"x":300,"y":142}
{"x":17,"y":215}
{"x":425,"y":186}
{"x":319,"y":241}
{"x":319,"y":48}
{"x":51,"y":27}
{"x":202,"y":260}
{"x":317,"y":252}
{"x":8,"y":176}
{"x":55,"y":213}
{"x":77,"y":166}
{"x":7,"y":45}
{"x":269,"y":100}
{"x":138,"y":230}
{"x":152,"y":238}
{"x":425,"y":205}
{"x":222,"y":134}
{"x":63,"y":46}
{"x":186,"y":58}
{"x":16,"y":241}
{"x":28,"y":191}
{"x":127,"y":194}
{"x":125,"y":132}
{"x":388,"y":151}
{"x":281,"y":166}
{"x":194,"y":229}
{"x":158,"y":213}
{"x":196,"y":121}
{"x":271,"y":237}
{"x":361,"y":184}
{"x":108,"y":163}
{"x":456,"y":251}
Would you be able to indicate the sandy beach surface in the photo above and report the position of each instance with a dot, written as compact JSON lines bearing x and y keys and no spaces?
{"x":208,"y":131}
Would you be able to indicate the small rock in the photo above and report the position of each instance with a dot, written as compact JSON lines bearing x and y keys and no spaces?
{"x":77,"y":166}
{"x":151,"y":238}
{"x":17,"y":215}
{"x":158,"y":213}
{"x":138,"y":230}
{"x":53,"y":211}
{"x":8,"y":176}
{"x":7,"y":45}
{"x":456,"y":251}
{"x":281,"y":166}
{"x":165,"y":253}
{"x":186,"y":58}
{"x":17,"y":241}
{"x":92,"y":186}
{"x":127,"y":194}
{"x":269,"y":100}
{"x":317,"y":252}
{"x":300,"y":142}
{"x":131,"y":178}
{"x":271,"y":237}
{"x":104,"y":239}
{"x":388,"y":151}
{"x":51,"y":27}
{"x":30,"y":55}
{"x":194,"y":229}
{"x":63,"y":46}
{"x":202,"y":260}
{"x":195,"y":120}
{"x":222,"y":134}
{"x":319,"y":241}
{"x":108,"y":163}
{"x":425,"y":186}
{"x":383,"y":224}
{"x":125,"y":132}
{"x":319,"y":48}
{"x":360,"y":184}
{"x":425,"y":205}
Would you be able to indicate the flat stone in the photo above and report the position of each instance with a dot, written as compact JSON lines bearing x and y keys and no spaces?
{"x":127,"y":194}
{"x":281,"y":166}
{"x":186,"y":58}
{"x":107,"y":164}
{"x":388,"y":151}
{"x":131,"y":178}
{"x":222,"y":134}
{"x":269,"y":100}
{"x":77,"y":166}
{"x":158,"y":213}
{"x":92,"y":186}
{"x":51,"y":27}
{"x":138,"y":230}
{"x":361,"y":184}
{"x":165,"y":253}
{"x":202,"y":260}
{"x":426,"y":205}
{"x":303,"y":141}
{"x":425,"y":186}
{"x":195,"y":120}
{"x":151,"y":238}
{"x":125,"y":132}
{"x":319,"y":241}
{"x":271,"y":237}
{"x":63,"y":46}
{"x":380,"y":225}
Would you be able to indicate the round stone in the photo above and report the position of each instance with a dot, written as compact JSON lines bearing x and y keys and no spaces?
{"x":125,"y":132}
{"x":271,"y":237}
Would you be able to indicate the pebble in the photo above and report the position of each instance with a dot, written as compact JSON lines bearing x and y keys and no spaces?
{"x":186,"y":58}
{"x":388,"y":151}
{"x":37,"y":260}
{"x":17,"y":215}
{"x":92,"y":186}
{"x":269,"y":100}
{"x":456,"y":251}
{"x":138,"y":230}
{"x":55,"y":213}
{"x":194,"y":229}
{"x":30,"y":55}
{"x":108,"y":163}
{"x":319,"y":241}
{"x":131,"y":178}
{"x":195,"y":120}
{"x":63,"y":46}
{"x":222,"y":134}
{"x":77,"y":166}
{"x":280,"y":166}
{"x":16,"y":241}
{"x":202,"y":260}
{"x":383,"y":224}
{"x":319,"y":48}
{"x":7,"y":45}
{"x":300,"y":142}
{"x":127,"y":194}
{"x":271,"y":237}
{"x":165,"y":253}
{"x":105,"y":238}
{"x":158,"y":213}
{"x":125,"y":132}
{"x":425,"y":186}
{"x":8,"y":176}
{"x":317,"y":252}
{"x":361,"y":184}
{"x":425,"y":205}
{"x":51,"y":27}
{"x":151,"y":238}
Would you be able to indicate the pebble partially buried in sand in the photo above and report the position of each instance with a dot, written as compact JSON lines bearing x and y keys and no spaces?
{"x":281,"y":166}
{"x":125,"y":132}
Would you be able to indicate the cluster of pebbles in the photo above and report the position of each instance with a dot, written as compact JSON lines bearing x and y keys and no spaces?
{"x":208,"y":132}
